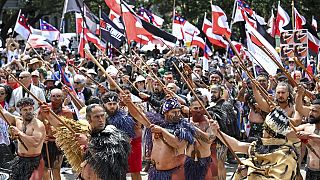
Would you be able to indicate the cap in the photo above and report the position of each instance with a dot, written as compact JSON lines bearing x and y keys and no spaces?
{"x":92,"y":71}
{"x":35,"y":73}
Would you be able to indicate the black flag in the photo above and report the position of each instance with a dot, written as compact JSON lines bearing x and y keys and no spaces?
{"x":110,"y":32}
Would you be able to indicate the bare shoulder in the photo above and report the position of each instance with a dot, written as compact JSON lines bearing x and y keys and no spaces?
{"x":309,"y":127}
{"x":39,"y":124}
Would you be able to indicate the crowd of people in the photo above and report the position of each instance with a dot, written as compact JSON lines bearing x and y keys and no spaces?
{"x":161,"y":113}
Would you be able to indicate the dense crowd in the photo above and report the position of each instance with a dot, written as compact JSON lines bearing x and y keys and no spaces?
{"x":159,"y":112}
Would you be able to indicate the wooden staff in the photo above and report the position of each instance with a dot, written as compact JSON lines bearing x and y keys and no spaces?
{"x":77,"y":102}
{"x":150,"y":70}
{"x":19,"y":139}
{"x":121,"y":73}
{"x":264,"y":93}
{"x":305,"y":70}
{"x":86,"y":75}
{"x":269,"y":101}
{"x":185,"y":64}
{"x":291,"y":80}
{"x":128,"y":59}
{"x":40,"y":102}
{"x":48,"y":159}
{"x":147,"y":122}
{"x":207,"y":113}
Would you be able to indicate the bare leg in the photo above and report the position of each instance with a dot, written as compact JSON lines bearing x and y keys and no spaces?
{"x":136,"y":176}
{"x":222,"y":173}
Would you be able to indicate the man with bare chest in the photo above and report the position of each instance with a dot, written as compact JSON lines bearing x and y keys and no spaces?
{"x":30,"y":131}
{"x":198,"y":159}
{"x":169,"y":141}
{"x":311,"y":133}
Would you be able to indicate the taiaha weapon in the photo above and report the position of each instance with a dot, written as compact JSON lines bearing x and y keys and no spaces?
{"x":150,"y":70}
{"x":19,"y":138}
{"x":146,"y":121}
{"x":40,"y":102}
{"x":305,"y":70}
{"x":121,"y":73}
{"x":268,"y":100}
{"x":291,"y":80}
{"x":77,"y":102}
{"x":88,"y":76}
{"x":207,"y":113}
{"x":186,"y":67}
{"x":48,"y":159}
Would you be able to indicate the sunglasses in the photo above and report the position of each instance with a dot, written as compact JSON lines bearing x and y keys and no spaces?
{"x":56,"y":96}
{"x":77,"y":82}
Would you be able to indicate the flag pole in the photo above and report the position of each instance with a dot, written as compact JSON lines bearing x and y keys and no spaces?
{"x":292,"y":16}
{"x":125,"y":29}
{"x":62,"y":17}
{"x":174,"y":12}
{"x":83,"y":25}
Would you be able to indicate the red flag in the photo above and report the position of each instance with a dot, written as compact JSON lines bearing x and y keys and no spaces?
{"x":219,"y":22}
{"x":299,"y":19}
{"x":282,"y":20}
{"x":213,"y":38}
{"x":22,"y":27}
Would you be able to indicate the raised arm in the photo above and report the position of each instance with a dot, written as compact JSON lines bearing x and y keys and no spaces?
{"x":8,"y":116}
{"x":134,"y":111}
{"x":263,"y":105}
{"x":303,"y":110}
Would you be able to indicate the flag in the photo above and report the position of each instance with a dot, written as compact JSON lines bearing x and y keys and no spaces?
{"x":116,"y":19}
{"x":150,"y":17}
{"x":299,"y":19}
{"x":213,"y":38}
{"x":38,"y":41}
{"x":254,"y":41}
{"x":22,"y":27}
{"x":282,"y":20}
{"x":48,"y":31}
{"x":219,"y":22}
{"x":184,"y":30}
{"x":241,"y":7}
{"x":135,"y":25}
{"x":110,"y":32}
{"x":72,"y":6}
{"x":313,"y":39}
{"x":271,"y":24}
{"x":314,"y":23}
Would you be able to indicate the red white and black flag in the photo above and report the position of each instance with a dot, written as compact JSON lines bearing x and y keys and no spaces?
{"x":135,"y":26}
{"x":22,"y":27}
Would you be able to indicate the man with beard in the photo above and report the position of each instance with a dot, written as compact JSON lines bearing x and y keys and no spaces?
{"x":30,"y":131}
{"x":124,"y":122}
{"x":169,"y":140}
{"x":103,"y":141}
{"x":310,"y":133}
{"x":55,"y":154}
{"x":226,"y":117}
{"x":198,"y":157}
{"x":283,"y":99}
{"x":255,"y":115}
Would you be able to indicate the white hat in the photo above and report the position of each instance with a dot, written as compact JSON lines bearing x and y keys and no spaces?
{"x":35,"y":73}
{"x":91,"y":71}
{"x":140,"y":78}
{"x":113,"y":71}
